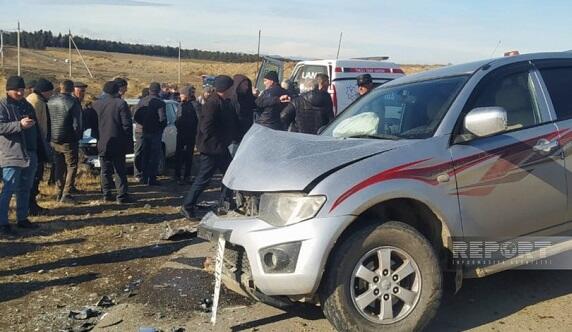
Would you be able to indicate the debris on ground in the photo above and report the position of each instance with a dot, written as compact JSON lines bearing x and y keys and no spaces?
{"x":179,"y":329}
{"x":105,"y":302}
{"x":85,"y":313}
{"x":180,"y":233}
{"x":206,"y":304}
{"x":206,"y":204}
{"x":148,"y":329}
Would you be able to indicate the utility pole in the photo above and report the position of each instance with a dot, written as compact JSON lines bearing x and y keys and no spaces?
{"x":81,"y":57}
{"x":2,"y":48}
{"x":179,"y":65}
{"x":18,"y":43}
{"x":258,"y":52}
{"x":339,"y":46}
{"x":70,"y":51}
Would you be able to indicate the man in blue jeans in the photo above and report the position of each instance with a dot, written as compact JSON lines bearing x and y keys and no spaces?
{"x":19,"y":146}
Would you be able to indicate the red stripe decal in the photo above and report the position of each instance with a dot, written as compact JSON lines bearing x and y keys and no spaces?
{"x":383,"y":176}
{"x":510,"y":158}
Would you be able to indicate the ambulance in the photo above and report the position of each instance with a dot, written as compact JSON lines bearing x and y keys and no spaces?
{"x":342,"y":73}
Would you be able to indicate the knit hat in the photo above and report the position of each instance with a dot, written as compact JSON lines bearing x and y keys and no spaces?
{"x":155,"y":87}
{"x":15,"y":83}
{"x":272,"y":75}
{"x":111,"y":88}
{"x":43,"y":85}
{"x":223,"y":83}
{"x":364,"y":79}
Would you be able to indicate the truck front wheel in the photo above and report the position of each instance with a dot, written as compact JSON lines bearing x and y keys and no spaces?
{"x":382,"y":277}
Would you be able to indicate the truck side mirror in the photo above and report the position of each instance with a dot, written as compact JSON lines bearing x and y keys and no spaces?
{"x":486,"y":121}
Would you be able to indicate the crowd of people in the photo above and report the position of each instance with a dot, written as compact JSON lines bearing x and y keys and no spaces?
{"x":39,"y":127}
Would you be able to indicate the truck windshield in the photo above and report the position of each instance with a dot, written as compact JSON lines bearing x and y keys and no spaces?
{"x":411,"y":110}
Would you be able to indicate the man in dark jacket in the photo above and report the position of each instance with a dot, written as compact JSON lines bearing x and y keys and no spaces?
{"x":244,"y":104}
{"x":114,"y":142}
{"x":65,"y":113}
{"x":151,"y":118}
{"x":186,"y":124}
{"x":308,"y":112}
{"x":43,"y":90}
{"x":269,"y":104}
{"x":218,"y":128}
{"x":20,"y":146}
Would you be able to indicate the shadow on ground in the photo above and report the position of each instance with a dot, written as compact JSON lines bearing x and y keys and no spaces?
{"x":12,"y":249}
{"x":482,"y":301}
{"x":116,"y":256}
{"x":14,"y":290}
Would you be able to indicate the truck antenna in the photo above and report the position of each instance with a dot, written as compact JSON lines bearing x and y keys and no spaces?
{"x":339,"y":46}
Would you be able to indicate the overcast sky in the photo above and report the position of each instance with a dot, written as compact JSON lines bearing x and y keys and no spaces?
{"x":413,"y":31}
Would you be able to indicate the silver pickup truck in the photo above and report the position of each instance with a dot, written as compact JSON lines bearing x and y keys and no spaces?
{"x":366,"y":217}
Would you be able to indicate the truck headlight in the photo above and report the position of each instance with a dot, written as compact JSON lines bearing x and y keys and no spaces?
{"x":281,"y":209}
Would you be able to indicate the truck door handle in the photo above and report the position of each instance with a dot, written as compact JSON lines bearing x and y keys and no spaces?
{"x":545,"y":146}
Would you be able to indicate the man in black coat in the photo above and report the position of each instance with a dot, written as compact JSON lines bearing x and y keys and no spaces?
{"x":151,"y":118}
{"x":65,"y":123}
{"x":186,"y":124}
{"x":308,"y":112}
{"x":43,"y":90}
{"x":115,"y":140}
{"x":218,"y":128}
{"x":269,"y":104}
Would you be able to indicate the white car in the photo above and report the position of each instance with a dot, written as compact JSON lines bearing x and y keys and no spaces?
{"x":88,"y":144}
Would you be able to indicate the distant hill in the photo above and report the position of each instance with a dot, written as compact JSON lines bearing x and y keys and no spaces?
{"x":41,"y":39}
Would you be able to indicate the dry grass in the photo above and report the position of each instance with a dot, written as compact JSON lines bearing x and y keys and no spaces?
{"x":140,"y":70}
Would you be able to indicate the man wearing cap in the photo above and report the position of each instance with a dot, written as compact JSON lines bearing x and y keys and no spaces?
{"x":186,"y":124}
{"x":365,"y":84}
{"x":151,"y":119}
{"x":218,"y":128}
{"x":79,"y":91}
{"x":43,"y":91}
{"x":115,"y":140}
{"x":269,"y":104}
{"x":19,"y":150}
{"x":65,"y":124}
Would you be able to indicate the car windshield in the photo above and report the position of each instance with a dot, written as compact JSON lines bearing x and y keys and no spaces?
{"x":412,"y":110}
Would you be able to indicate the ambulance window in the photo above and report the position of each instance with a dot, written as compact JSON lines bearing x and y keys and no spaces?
{"x":310,"y":71}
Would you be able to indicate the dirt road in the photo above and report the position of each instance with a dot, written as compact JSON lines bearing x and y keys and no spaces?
{"x":84,"y":252}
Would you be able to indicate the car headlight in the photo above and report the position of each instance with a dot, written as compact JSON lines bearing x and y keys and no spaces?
{"x":281,"y":209}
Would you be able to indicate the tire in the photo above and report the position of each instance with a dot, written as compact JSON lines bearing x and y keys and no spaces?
{"x":342,"y":293}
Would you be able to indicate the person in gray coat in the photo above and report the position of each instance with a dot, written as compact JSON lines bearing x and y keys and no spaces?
{"x":19,"y":145}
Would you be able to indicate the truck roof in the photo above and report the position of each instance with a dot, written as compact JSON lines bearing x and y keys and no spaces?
{"x":352,"y":62}
{"x":471,"y":67}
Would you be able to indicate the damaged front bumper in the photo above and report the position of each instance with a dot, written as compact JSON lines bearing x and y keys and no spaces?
{"x":273,"y":260}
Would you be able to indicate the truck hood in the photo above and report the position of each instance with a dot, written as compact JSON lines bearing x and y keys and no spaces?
{"x":270,"y":160}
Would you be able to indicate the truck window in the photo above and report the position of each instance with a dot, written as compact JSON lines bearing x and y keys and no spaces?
{"x":559,"y":83}
{"x":513,"y":92}
{"x":412,"y":110}
{"x":308,"y":71}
